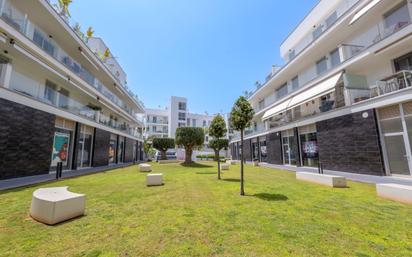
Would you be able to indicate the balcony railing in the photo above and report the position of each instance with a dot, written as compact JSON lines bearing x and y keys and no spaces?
{"x":20,"y":22}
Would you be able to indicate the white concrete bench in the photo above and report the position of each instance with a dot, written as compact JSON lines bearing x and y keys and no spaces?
{"x":154,"y":179}
{"x":327,"y":180}
{"x":396,"y":192}
{"x":231,"y":162}
{"x":224,"y":166}
{"x":145,"y":167}
{"x":56,"y":204}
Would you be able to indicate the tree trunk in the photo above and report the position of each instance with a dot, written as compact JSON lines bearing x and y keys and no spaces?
{"x":163,"y":155}
{"x":188,"y":156}
{"x":242,"y":190}
{"x":218,"y":165}
{"x":216,"y":155}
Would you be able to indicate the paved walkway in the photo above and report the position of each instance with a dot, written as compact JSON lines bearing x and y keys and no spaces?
{"x":351,"y":176}
{"x":32,"y":180}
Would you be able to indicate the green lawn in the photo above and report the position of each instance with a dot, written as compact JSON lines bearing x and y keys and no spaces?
{"x":194,"y":214}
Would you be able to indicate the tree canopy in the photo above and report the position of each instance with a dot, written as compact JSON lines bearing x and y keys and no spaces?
{"x":163,"y":144}
{"x":189,"y":138}
{"x":217,"y":128}
{"x":241,"y":114}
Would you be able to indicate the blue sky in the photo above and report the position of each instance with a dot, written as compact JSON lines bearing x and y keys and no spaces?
{"x":209,"y":51}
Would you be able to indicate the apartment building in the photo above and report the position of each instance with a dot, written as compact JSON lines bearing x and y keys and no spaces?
{"x":63,"y":98}
{"x":343,"y":98}
{"x":164,"y":122}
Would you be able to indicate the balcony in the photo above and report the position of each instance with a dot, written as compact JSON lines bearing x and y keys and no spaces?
{"x":21,"y":23}
{"x":396,"y":82}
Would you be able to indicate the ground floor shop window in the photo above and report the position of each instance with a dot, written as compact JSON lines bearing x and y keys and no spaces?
{"x":120,"y":150}
{"x":62,"y":143}
{"x":112,"y":148}
{"x":263,"y":151}
{"x":289,"y":147}
{"x":255,"y":151}
{"x":309,"y":149}
{"x":85,"y":147}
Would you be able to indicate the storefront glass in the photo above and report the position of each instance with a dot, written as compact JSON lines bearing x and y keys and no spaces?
{"x":62,"y":143}
{"x":112,"y":148}
{"x":84,"y":147}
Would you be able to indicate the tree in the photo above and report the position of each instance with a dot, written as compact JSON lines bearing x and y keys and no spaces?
{"x":240,"y":118}
{"x":148,"y":146}
{"x":217,"y":130}
{"x":163,"y":144}
{"x":189,"y":138}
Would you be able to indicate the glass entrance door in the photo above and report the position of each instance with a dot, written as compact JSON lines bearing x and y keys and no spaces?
{"x":396,"y":129}
{"x":288,"y":147}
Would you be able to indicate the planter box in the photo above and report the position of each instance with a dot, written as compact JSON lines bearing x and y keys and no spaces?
{"x":396,"y":192}
{"x":145,"y":167}
{"x":224,"y":166}
{"x":322,"y":179}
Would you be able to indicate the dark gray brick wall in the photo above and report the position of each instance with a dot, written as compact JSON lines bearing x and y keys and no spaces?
{"x":101,"y":148}
{"x":274,"y":148}
{"x":350,"y":143}
{"x":128,"y":155}
{"x":26,"y":140}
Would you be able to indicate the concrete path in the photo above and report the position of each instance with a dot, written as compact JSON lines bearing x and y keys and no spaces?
{"x":32,"y":180}
{"x":350,"y":176}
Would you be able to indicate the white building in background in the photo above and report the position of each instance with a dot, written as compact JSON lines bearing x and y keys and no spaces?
{"x":164,"y":122}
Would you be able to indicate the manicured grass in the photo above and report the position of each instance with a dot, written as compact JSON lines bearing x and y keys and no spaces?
{"x":194,"y":214}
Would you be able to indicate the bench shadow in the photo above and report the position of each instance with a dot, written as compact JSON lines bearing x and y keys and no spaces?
{"x":270,"y":197}
{"x":206,"y":173}
{"x":196,"y":165}
{"x":231,"y":179}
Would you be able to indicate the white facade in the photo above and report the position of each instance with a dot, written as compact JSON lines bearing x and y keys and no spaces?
{"x":164,"y":122}
{"x":344,"y":58}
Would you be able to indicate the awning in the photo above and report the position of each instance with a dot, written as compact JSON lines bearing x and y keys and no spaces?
{"x":324,"y":87}
{"x":276,"y":110}
{"x":364,"y":10}
{"x":320,"y":89}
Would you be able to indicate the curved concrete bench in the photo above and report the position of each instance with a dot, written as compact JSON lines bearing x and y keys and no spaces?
{"x":56,"y":204}
{"x":154,"y":179}
{"x":145,"y":167}
{"x":327,"y":180}
{"x":224,"y":166}
{"x":396,"y":192}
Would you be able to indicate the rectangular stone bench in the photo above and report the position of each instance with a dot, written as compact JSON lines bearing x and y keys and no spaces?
{"x":154,"y":179}
{"x":327,"y":180}
{"x":396,"y":192}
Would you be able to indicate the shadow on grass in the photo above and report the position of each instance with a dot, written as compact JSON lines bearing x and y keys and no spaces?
{"x":206,"y":173}
{"x":231,"y":179}
{"x":271,"y":197}
{"x":196,"y":165}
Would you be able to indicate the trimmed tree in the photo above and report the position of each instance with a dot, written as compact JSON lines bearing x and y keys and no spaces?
{"x":217,"y":130}
{"x":190,"y":138}
{"x":240,"y":118}
{"x":217,"y":145}
{"x":163,"y":144}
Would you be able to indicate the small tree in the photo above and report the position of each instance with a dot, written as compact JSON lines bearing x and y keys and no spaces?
{"x":163,"y":144}
{"x":240,"y":118}
{"x":148,"y":146}
{"x":189,"y":138}
{"x":218,"y":130}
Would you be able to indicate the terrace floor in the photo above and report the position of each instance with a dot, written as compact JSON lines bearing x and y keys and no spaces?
{"x":194,"y":214}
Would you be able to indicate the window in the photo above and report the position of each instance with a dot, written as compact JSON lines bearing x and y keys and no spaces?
{"x":331,"y":19}
{"x":40,"y":40}
{"x":403,"y":63}
{"x":188,"y":122}
{"x":194,"y":123}
{"x":50,"y":92}
{"x":154,"y":129}
{"x":261,"y":104}
{"x":120,"y":151}
{"x":334,"y":58}
{"x":154,"y":119}
{"x":317,"y":32}
{"x":295,"y":83}
{"x":321,"y":66}
{"x":182,"y":106}
{"x":292,"y":54}
{"x":64,"y":98}
{"x":397,"y":18}
{"x":282,"y":91}
{"x":182,"y":116}
{"x":204,"y":123}
{"x":84,"y":147}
